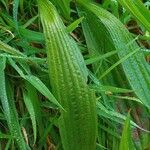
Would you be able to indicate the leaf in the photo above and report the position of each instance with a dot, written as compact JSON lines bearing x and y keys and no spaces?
{"x":30,"y":21}
{"x":128,"y":98}
{"x":138,"y":10}
{"x":97,"y":43}
{"x":114,"y":116}
{"x":15,"y":12}
{"x":5,"y":136}
{"x":64,"y":6}
{"x":98,"y":58}
{"x":68,"y":78}
{"x":31,"y":111}
{"x":111,"y":89}
{"x":37,"y":83}
{"x":8,"y":49}
{"x":31,"y":36}
{"x":118,"y":62}
{"x":74,"y":25}
{"x":36,"y":102}
{"x":9,"y":108}
{"x":126,"y":141}
{"x":136,"y":68}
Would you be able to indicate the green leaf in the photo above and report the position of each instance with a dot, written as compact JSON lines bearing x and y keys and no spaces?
{"x":92,"y":59}
{"x":37,"y":83}
{"x":31,"y":111}
{"x":111,"y":89}
{"x":36,"y":102}
{"x":138,"y":10}
{"x":32,"y":36}
{"x":9,"y":108}
{"x":8,"y":49}
{"x":135,"y":67}
{"x":114,"y":116}
{"x":118,"y":62}
{"x":68,"y":78}
{"x":74,"y":25}
{"x":126,"y":141}
{"x":15,"y":12}
{"x":5,"y":136}
{"x":64,"y":7}
{"x":127,"y":98}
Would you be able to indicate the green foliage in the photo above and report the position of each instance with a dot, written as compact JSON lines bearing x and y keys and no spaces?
{"x":126,"y":142}
{"x":77,"y":122}
{"x":71,"y":71}
{"x":138,"y":10}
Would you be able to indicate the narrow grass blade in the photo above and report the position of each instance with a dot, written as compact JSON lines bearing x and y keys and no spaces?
{"x":5,"y":136}
{"x":37,"y":83}
{"x":74,"y":25}
{"x":138,"y":10}
{"x":36,"y":102}
{"x":29,"y":22}
{"x":128,"y":98}
{"x":15,"y":12}
{"x":111,"y":89}
{"x":9,"y":108}
{"x":115,"y":116}
{"x":126,"y":142}
{"x":101,"y":57}
{"x":8,"y":49}
{"x":31,"y":111}
{"x":118,"y":63}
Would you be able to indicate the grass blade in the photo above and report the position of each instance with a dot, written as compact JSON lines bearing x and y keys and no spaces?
{"x":31,"y":111}
{"x":37,"y":83}
{"x":138,"y":10}
{"x":9,"y":109}
{"x":8,"y":49}
{"x":74,"y":25}
{"x":125,"y":143}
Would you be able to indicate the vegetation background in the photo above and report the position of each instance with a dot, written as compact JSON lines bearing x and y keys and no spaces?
{"x":114,"y":39}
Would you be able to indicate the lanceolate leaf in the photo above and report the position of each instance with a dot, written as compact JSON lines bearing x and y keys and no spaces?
{"x":68,"y":76}
{"x":136,"y":68}
{"x":97,"y":43}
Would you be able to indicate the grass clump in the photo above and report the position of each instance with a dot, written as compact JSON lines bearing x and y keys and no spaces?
{"x":74,"y":75}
